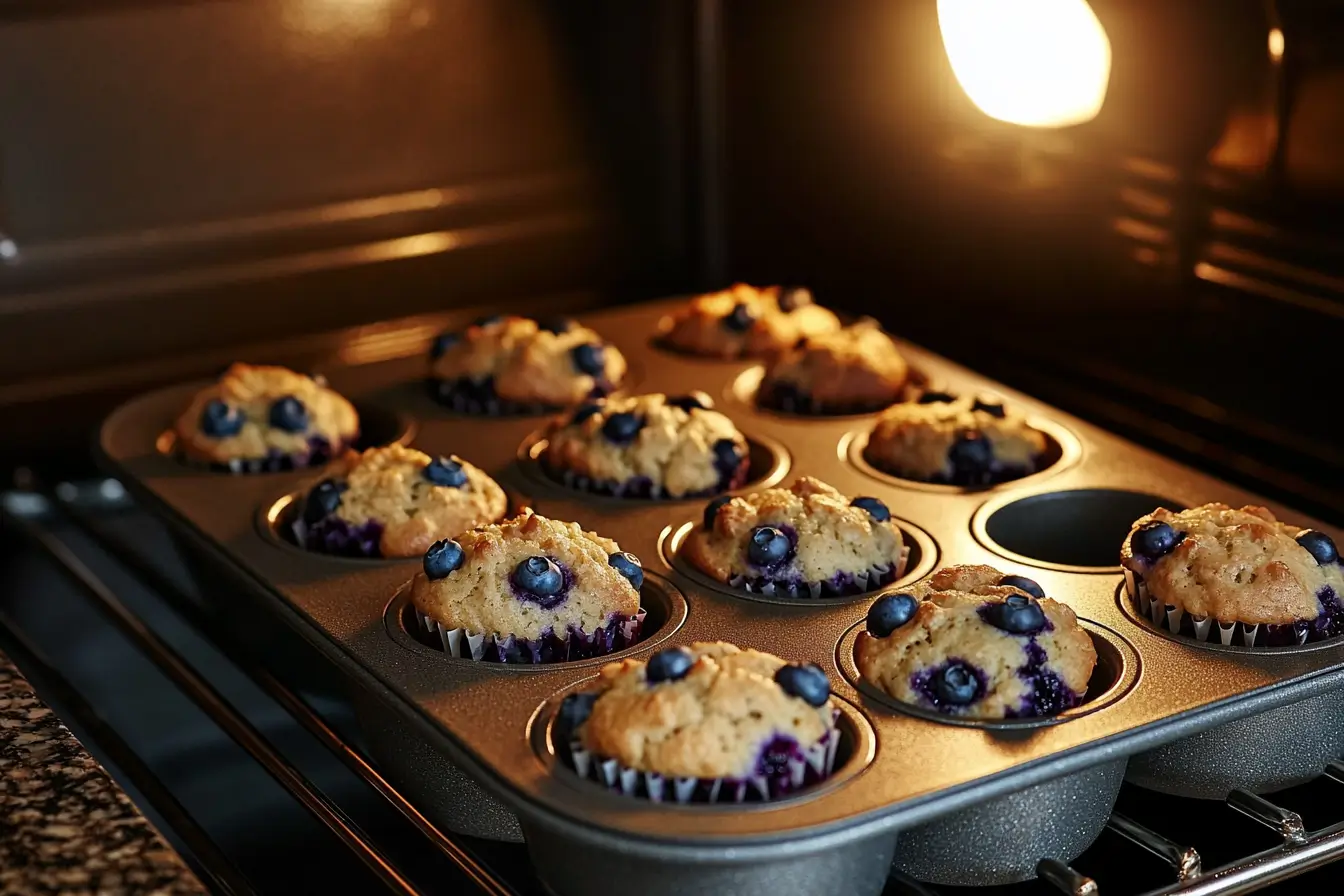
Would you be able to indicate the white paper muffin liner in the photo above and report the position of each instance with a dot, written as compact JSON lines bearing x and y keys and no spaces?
{"x":1205,"y":628}
{"x":554,"y":648}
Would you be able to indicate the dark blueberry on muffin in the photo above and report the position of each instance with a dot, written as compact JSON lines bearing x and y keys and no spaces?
{"x":889,"y":612}
{"x":806,"y":682}
{"x":220,"y":420}
{"x":669,"y":665}
{"x":740,"y":319}
{"x":442,"y":559}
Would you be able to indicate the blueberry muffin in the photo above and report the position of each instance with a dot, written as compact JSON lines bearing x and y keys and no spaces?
{"x":395,"y":502}
{"x":956,"y":441}
{"x":975,"y":643}
{"x":529,"y":590}
{"x":746,"y":322}
{"x":1262,"y":581}
{"x":265,"y":418}
{"x":707,"y":723}
{"x":648,"y":446}
{"x":516,"y":364}
{"x":849,"y":371}
{"x":802,"y":541}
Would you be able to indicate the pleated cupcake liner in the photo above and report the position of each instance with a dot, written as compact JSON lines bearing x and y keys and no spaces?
{"x":813,"y":765}
{"x":574,"y":644}
{"x":640,"y":488}
{"x":841,"y":585}
{"x":337,"y":538}
{"x":1209,"y":630}
{"x":478,"y":398}
{"x":320,"y":452}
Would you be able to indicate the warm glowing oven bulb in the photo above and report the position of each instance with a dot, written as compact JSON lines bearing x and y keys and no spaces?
{"x":1042,"y":63}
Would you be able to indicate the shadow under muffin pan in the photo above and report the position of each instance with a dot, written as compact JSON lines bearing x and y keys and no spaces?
{"x":1062,"y":451}
{"x":453,"y":735}
{"x":919,"y":562}
{"x":767,"y":465}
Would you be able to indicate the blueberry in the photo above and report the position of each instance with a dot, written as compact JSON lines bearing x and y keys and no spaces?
{"x":712,"y":510}
{"x":992,"y":408}
{"x":628,"y":565}
{"x":488,"y":320}
{"x":889,"y":612}
{"x":219,"y":420}
{"x":956,"y":685}
{"x":322,"y":501}
{"x":539,"y":575}
{"x":1154,"y":540}
{"x":791,"y":298}
{"x":289,"y":414}
{"x":622,"y":428}
{"x":806,"y":682}
{"x":584,"y":411}
{"x":1320,"y":546}
{"x":671,"y":664}
{"x":442,"y":558}
{"x":692,"y":402}
{"x":935,"y":396}
{"x":876,"y":509}
{"x":726,"y":455}
{"x":1018,"y":615}
{"x":589,"y":358}
{"x":768,"y":546}
{"x":445,"y":471}
{"x":740,"y":319}
{"x":1022,"y":583}
{"x":574,"y":711}
{"x":556,"y":325}
{"x":442,"y":343}
{"x":971,"y":454}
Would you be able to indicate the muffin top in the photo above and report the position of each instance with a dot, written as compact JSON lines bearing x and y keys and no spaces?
{"x":711,"y":710}
{"x":962,"y":441}
{"x":553,"y":363}
{"x":747,"y":322}
{"x":528,"y":576}
{"x":972,"y":642}
{"x":672,"y":446}
{"x":853,"y":369}
{"x":415,"y":499}
{"x":254,"y":412}
{"x":1234,"y":565}
{"x":808,"y":532}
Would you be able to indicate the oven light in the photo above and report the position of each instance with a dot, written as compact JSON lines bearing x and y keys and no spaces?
{"x":1276,"y":44}
{"x":1041,"y":63}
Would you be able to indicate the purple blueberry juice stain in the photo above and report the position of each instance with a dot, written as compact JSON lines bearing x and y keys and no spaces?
{"x":772,"y":570}
{"x":774,"y":759}
{"x":1331,"y":621}
{"x":335,"y":536}
{"x":545,"y":601}
{"x":922,"y":683}
{"x":1049,"y":695}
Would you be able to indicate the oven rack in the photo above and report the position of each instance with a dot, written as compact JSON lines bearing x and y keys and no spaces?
{"x":30,"y":509}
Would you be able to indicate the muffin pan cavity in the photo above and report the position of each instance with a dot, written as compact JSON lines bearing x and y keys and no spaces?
{"x":1080,"y":530}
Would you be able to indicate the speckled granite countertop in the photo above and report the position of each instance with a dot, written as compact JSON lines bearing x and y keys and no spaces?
{"x":65,"y":826}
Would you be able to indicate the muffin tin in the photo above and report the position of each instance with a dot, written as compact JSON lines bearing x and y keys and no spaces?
{"x":978,"y":802}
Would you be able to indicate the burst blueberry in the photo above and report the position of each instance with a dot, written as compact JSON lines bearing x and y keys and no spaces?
{"x":693,"y":401}
{"x":971,"y":455}
{"x":1154,"y":540}
{"x":956,"y":685}
{"x":712,"y":511}
{"x":556,"y":325}
{"x":1320,"y":546}
{"x":740,"y":319}
{"x":322,"y":501}
{"x":628,"y":565}
{"x":289,"y":414}
{"x":935,"y":396}
{"x":671,"y":664}
{"x":442,"y":342}
{"x":806,"y":682}
{"x":574,"y":711}
{"x":621,"y":429}
{"x":726,"y":455}
{"x":446,"y":471}
{"x":992,"y":408}
{"x":589,"y":358}
{"x":584,"y":411}
{"x":443,"y":558}
{"x":876,"y":509}
{"x":220,"y":420}
{"x":1022,"y":583}
{"x":889,"y":612}
{"x":791,"y":298}
{"x":1017,"y":615}
{"x":768,"y":546}
{"x":540,"y":576}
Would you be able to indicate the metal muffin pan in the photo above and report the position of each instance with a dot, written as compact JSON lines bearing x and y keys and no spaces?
{"x":476,"y":717}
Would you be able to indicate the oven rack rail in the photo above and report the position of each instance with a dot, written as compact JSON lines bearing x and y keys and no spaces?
{"x":25,"y":510}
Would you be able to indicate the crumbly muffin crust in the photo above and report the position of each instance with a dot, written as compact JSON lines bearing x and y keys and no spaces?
{"x":250,"y":392}
{"x":1235,"y":566}
{"x":854,"y":369}
{"x":746,"y":322}
{"x":676,"y":452}
{"x":525,"y":363}
{"x":712,"y":723}
{"x":916,"y":441}
{"x":1019,"y":675}
{"x":483,"y":595}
